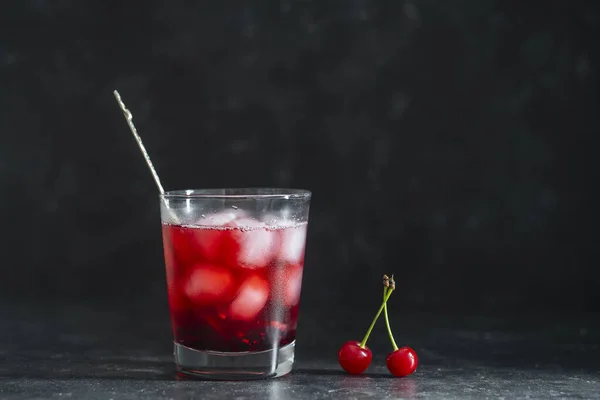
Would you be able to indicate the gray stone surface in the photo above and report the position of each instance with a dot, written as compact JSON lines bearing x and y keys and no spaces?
{"x":311,"y":382}
{"x":80,"y":352}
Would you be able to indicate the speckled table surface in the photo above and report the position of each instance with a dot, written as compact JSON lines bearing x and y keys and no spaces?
{"x":79,"y":352}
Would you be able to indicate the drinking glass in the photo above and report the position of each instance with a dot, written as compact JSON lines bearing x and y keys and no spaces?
{"x":234,"y":260}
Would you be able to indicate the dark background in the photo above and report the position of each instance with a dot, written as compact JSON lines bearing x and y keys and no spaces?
{"x":448,"y":142}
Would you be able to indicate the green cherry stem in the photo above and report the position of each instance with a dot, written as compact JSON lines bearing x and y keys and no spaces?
{"x":387,"y":319}
{"x":385,"y":299}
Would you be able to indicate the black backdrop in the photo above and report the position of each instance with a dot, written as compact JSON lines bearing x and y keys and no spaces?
{"x":446,"y":142}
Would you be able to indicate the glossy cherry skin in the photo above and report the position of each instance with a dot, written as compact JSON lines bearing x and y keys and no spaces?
{"x":353,"y":358}
{"x":402,"y":362}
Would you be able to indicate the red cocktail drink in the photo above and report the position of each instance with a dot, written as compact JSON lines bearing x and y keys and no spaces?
{"x":234,"y":286}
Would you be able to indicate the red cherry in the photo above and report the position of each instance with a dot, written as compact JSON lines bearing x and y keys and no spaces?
{"x":402,"y":362}
{"x":353,"y":358}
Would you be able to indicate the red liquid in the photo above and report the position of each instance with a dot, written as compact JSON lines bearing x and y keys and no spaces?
{"x":235,"y":286}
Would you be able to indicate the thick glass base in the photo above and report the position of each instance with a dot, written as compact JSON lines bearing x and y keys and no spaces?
{"x":234,"y":366}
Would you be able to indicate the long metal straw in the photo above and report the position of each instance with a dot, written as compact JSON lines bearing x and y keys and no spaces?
{"x":138,"y":139}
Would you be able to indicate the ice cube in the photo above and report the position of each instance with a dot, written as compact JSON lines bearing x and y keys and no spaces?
{"x":275,"y":220}
{"x":292,"y":285}
{"x":208,"y":284}
{"x":218,"y":219}
{"x":250,"y":300}
{"x":209,"y":234}
{"x":292,"y":243}
{"x":247,"y":223}
{"x":251,"y":245}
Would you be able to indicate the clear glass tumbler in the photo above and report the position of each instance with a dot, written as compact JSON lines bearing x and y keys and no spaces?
{"x":234,"y":261}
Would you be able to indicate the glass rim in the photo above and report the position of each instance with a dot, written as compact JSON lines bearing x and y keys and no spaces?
{"x":237,"y":193}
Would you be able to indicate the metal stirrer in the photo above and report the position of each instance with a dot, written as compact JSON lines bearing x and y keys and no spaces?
{"x":138,"y":139}
{"x":129,"y":119}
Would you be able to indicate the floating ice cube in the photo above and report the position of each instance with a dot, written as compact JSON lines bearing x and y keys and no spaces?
{"x":274,"y":220}
{"x":292,"y":243}
{"x":250,"y":300}
{"x":209,"y":233}
{"x":217,"y":219}
{"x":277,"y":221}
{"x":208,"y":284}
{"x":252,"y":245}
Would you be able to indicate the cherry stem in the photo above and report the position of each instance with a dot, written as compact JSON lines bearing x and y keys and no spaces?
{"x":387,"y":320}
{"x":385,"y":299}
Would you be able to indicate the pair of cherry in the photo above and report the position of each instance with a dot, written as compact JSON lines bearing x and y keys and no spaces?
{"x":355,"y":357}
